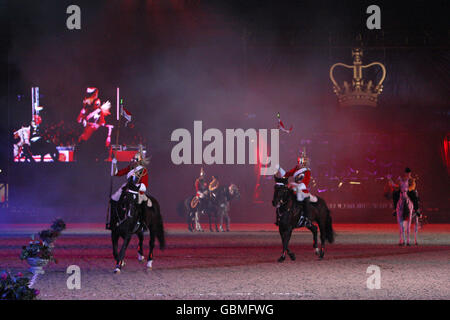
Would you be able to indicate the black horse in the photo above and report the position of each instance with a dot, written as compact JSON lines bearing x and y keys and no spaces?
{"x":128,"y":217}
{"x":192,"y":215}
{"x":220,"y":206}
{"x":42,"y":147}
{"x":289,"y":211}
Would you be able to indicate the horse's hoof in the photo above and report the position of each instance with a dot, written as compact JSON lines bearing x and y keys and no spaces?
{"x":322,"y":253}
{"x":316,"y":251}
{"x":150,"y":264}
{"x":140,"y":257}
{"x":117,"y":270}
{"x":292,"y":256}
{"x":281,"y":259}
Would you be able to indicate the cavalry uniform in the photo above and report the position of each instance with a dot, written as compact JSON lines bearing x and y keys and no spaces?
{"x":92,"y":115}
{"x":138,"y":174}
{"x":23,"y":134}
{"x":201,"y":186}
{"x":302,"y":177}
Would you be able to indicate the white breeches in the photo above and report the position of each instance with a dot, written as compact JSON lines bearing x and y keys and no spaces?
{"x":301,"y":195}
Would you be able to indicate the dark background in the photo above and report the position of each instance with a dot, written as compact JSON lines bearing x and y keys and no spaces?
{"x":231,"y":64}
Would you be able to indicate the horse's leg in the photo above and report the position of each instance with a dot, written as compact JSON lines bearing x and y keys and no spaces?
{"x":227,"y":219}
{"x":189,"y":219}
{"x":198,"y":226}
{"x":140,"y":247}
{"x":126,"y":242}
{"x":322,"y":229}
{"x":152,"y":246}
{"x":408,"y":229}
{"x":210,"y":220}
{"x":285,"y":237}
{"x":216,"y":220}
{"x":416,"y":229}
{"x":313,"y":229}
{"x":220,"y":214}
{"x":400,"y":226}
{"x":115,"y":243}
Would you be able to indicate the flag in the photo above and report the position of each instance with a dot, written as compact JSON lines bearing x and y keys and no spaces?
{"x":126,"y":114}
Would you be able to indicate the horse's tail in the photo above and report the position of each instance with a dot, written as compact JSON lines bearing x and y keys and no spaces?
{"x":159,"y":226}
{"x":329,"y":232}
{"x":160,"y":234}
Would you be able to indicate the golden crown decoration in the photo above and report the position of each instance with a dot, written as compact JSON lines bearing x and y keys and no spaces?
{"x":360,"y":92}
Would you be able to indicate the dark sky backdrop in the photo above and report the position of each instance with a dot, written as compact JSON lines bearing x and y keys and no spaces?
{"x":232,"y":64}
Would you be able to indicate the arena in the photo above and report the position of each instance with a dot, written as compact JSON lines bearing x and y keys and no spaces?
{"x":242,"y":264}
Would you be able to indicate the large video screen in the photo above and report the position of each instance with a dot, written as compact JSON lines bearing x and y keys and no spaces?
{"x":92,"y":134}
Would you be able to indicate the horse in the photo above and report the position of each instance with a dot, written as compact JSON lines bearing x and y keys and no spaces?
{"x":193,"y":214}
{"x":405,"y":215}
{"x":42,"y":147}
{"x":128,"y":218}
{"x":220,"y":200}
{"x":289,"y":209}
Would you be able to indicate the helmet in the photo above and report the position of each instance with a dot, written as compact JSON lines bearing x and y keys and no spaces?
{"x":302,"y":160}
{"x":139,"y":157}
{"x":202,"y":173}
{"x":92,"y":92}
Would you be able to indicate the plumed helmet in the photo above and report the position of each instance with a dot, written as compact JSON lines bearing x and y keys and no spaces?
{"x":302,"y":160}
{"x":92,"y":92}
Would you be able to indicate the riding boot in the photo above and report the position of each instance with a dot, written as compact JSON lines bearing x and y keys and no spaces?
{"x":305,"y":219}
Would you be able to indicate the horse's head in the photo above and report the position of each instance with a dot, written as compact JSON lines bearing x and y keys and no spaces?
{"x":281,"y":192}
{"x":129,"y":203}
{"x":233,"y":190}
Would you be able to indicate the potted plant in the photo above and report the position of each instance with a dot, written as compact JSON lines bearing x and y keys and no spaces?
{"x":16,"y":287}
{"x":38,"y":253}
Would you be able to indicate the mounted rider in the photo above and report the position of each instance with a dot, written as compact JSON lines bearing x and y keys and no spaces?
{"x":213,"y":185}
{"x":302,"y":177}
{"x":201,"y":189}
{"x":137,"y":180}
{"x":409,"y":191}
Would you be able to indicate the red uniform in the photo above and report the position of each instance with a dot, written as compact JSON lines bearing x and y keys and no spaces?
{"x":126,"y":171}
{"x":302,"y":175}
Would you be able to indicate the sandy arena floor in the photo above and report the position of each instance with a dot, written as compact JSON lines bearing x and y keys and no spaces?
{"x":242,"y":264}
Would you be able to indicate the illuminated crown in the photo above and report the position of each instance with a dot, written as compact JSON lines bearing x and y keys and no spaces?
{"x":360,"y":92}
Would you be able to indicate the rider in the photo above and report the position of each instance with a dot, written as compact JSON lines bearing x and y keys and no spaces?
{"x":302,"y":177}
{"x":201,"y":186}
{"x":23,"y":134}
{"x":214,"y":184}
{"x":411,"y":193}
{"x":137,"y":180}
{"x":92,"y":116}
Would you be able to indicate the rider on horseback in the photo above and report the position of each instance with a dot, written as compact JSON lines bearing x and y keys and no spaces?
{"x":137,"y":181}
{"x":302,"y":177}
{"x":412,"y":193}
{"x":201,"y":187}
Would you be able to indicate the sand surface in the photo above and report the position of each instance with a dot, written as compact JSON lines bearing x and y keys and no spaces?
{"x":243,"y":264}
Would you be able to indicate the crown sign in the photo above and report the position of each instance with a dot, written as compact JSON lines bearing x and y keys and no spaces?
{"x":359,"y":93}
